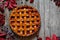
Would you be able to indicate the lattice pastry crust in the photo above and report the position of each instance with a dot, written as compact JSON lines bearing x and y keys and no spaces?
{"x":25,"y":20}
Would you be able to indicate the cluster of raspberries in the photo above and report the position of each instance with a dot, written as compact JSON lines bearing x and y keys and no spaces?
{"x":10,"y":4}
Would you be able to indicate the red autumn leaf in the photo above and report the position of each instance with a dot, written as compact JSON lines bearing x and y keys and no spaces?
{"x":10,"y":4}
{"x":10,"y":7}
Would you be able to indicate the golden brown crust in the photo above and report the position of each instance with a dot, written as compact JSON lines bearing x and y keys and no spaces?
{"x":25,"y":20}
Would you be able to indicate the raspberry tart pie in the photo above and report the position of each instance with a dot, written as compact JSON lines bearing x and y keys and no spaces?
{"x":25,"y":20}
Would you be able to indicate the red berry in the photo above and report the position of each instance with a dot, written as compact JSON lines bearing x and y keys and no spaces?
{"x":39,"y":39}
{"x":54,"y":37}
{"x":31,"y":1}
{"x":48,"y":38}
